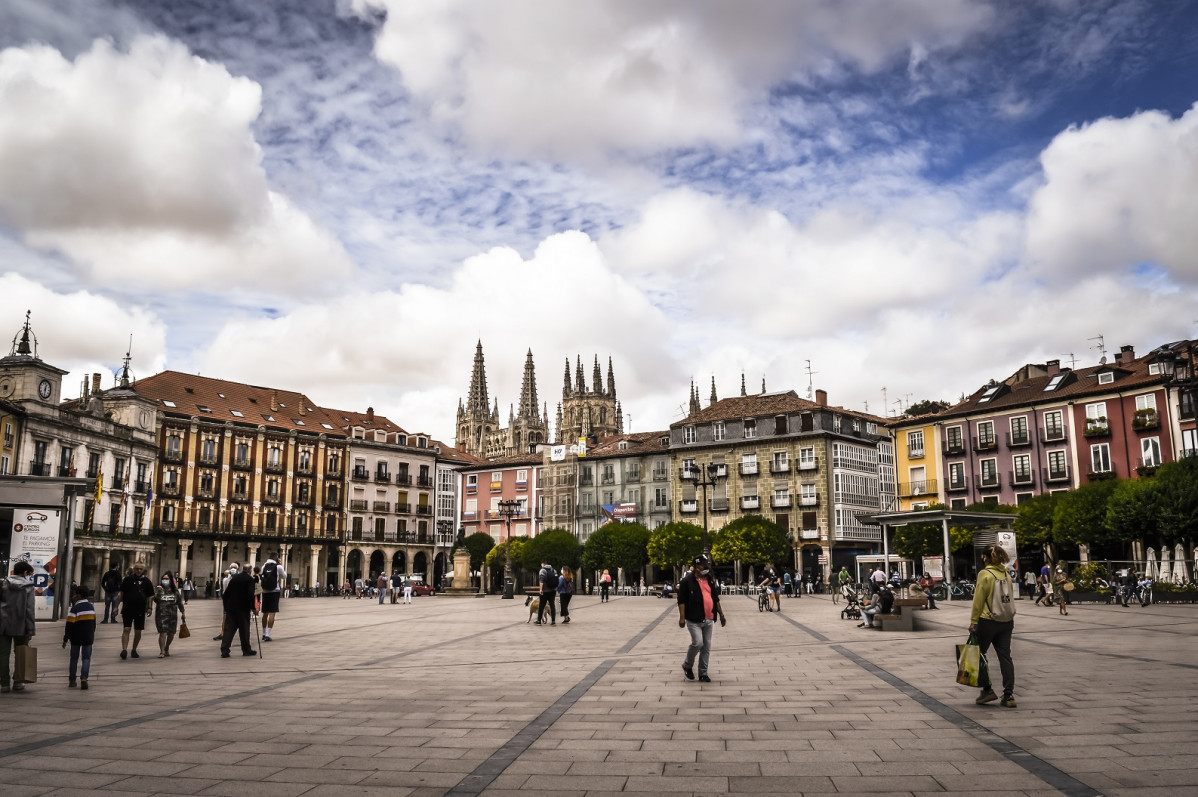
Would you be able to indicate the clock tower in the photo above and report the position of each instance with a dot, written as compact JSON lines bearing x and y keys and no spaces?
{"x":23,"y":375}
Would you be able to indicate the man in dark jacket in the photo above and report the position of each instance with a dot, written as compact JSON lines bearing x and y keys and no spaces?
{"x":238,"y":600}
{"x":112,"y":592}
{"x":547,"y":578}
{"x":136,"y":591}
{"x":698,"y":607}
{"x":17,"y":615}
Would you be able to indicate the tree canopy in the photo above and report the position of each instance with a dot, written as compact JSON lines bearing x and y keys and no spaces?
{"x":752,"y":539}
{"x":1133,"y":510}
{"x":617,"y":545}
{"x":1177,"y":483}
{"x":497,"y":556}
{"x":558,"y":547}
{"x":478,"y":544}
{"x":917,"y":540}
{"x":675,"y":544}
{"x":926,"y":407}
{"x":1079,"y":517}
{"x":1034,"y":522}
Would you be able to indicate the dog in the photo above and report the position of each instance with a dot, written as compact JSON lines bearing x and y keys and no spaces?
{"x":533,"y":602}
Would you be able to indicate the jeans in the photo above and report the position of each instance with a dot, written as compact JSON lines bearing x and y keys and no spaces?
{"x":86,"y":650}
{"x":110,"y":601}
{"x":7,"y":643}
{"x":992,"y":631}
{"x":700,"y":644}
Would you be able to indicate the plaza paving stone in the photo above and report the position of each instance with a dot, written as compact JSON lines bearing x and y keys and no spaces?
{"x":462,"y":697}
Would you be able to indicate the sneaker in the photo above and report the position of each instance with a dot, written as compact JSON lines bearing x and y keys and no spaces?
{"x":987,"y":696}
{"x":124,"y":654}
{"x":133,"y":653}
{"x":566,"y":620}
{"x":83,"y":684}
{"x":704,"y":678}
{"x":224,"y":654}
{"x":216,"y":638}
{"x":71,"y":684}
{"x":1008,"y":701}
{"x":249,"y":653}
{"x":266,"y":639}
{"x":688,"y":672}
{"x":18,"y":687}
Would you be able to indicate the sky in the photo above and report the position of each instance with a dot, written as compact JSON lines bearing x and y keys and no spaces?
{"x":888,"y":201}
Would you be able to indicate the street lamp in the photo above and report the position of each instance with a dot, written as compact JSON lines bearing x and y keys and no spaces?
{"x":508,"y":510}
{"x":696,"y":478}
{"x":444,"y":531}
{"x":1180,"y":373}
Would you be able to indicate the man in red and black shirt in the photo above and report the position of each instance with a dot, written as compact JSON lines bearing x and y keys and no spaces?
{"x":698,"y":607}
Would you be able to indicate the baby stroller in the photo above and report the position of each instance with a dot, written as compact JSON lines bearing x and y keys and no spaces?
{"x":852,"y":603}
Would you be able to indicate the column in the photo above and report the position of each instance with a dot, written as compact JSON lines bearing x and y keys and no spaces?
{"x":253,"y":547}
{"x":315,"y":562}
{"x":107,"y":561}
{"x":284,"y":557}
{"x":184,"y":547}
{"x":77,"y":570}
{"x":218,"y":554}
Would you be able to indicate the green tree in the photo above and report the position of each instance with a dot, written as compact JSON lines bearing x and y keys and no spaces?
{"x":558,"y":547}
{"x":926,"y":407}
{"x":917,"y":540}
{"x":1080,"y":516}
{"x":497,"y":556}
{"x":1133,"y":511}
{"x":675,"y":544}
{"x":1033,"y":525}
{"x":752,"y":539}
{"x":617,"y":545}
{"x":1177,"y":483}
{"x":478,"y":544}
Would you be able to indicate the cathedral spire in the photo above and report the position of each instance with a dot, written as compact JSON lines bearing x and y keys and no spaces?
{"x":713,"y":397}
{"x":567,"y":388}
{"x":742,"y":383}
{"x":597,"y":377}
{"x":476,"y":399}
{"x":528,"y":392}
{"x":619,"y":419}
{"x":557,"y":429}
{"x":694,"y":403}
{"x":580,"y":381}
{"x":611,"y":379}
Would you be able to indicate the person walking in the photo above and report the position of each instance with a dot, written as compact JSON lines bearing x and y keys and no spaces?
{"x":1045,"y":581}
{"x":17,"y":624}
{"x":605,"y":587}
{"x":547,"y":578}
{"x":1029,"y":580}
{"x":1060,"y":594}
{"x":271,"y":580}
{"x":396,"y":587}
{"x":877,"y":579}
{"x":238,"y":600}
{"x":381,"y":584}
{"x":167,"y":611}
{"x":188,"y":588}
{"x":80,"y":632}
{"x":565,"y":591}
{"x":407,"y":589}
{"x":136,"y":591}
{"x":111,"y":584}
{"x":992,"y":619}
{"x":698,"y":608}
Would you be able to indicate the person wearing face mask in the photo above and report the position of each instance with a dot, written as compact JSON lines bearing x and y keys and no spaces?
{"x":16,"y":618}
{"x":136,"y":591}
{"x":168,"y":608}
{"x":698,"y":607}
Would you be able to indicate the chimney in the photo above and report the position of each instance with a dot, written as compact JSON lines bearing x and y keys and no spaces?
{"x":95,"y":383}
{"x":370,"y":414}
{"x":274,"y":401}
{"x":1052,"y":367}
{"x":821,"y":397}
{"x":1126,"y":355}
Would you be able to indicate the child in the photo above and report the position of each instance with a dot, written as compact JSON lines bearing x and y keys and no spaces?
{"x":81,"y":633}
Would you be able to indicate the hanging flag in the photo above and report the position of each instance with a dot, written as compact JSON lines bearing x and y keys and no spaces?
{"x":582,"y":446}
{"x":91,"y":516}
{"x":557,"y":453}
{"x":150,"y":496}
{"x":99,"y":486}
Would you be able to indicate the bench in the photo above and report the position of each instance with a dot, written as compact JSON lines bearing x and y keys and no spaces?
{"x":902,"y":616}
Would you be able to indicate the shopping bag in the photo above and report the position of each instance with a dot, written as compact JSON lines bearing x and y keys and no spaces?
{"x":183,"y":632}
{"x":25,"y":671}
{"x":970,"y":664}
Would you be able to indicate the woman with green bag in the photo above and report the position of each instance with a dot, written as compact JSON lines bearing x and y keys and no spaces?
{"x":992,"y":619}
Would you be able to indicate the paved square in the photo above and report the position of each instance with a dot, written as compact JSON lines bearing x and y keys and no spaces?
{"x":462,"y":697}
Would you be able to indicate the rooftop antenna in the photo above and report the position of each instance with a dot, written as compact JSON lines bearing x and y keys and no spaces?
{"x":810,"y":381}
{"x":907,"y":400}
{"x":1101,"y":347}
{"x":885,"y":400}
{"x":899,"y":402}
{"x":1072,"y":361}
{"x":681,"y":412}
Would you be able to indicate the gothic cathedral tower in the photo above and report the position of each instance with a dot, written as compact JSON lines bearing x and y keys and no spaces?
{"x":478,"y":429}
{"x":584,"y":412}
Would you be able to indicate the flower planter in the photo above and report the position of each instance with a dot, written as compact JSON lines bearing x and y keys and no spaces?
{"x":1089,"y":597}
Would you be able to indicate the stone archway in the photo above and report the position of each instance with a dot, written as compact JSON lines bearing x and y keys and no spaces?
{"x":353,"y":565}
{"x":439,"y":567}
{"x":378,"y":562}
{"x":399,"y":562}
{"x":420,"y":566}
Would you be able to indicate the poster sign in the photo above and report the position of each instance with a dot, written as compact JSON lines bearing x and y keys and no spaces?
{"x":1006,"y":541}
{"x":621,"y":513}
{"x":934,"y":566}
{"x":823,"y":558}
{"x":35,"y":534}
{"x":557,"y":454}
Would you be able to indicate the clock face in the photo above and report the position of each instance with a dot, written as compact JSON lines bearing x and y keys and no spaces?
{"x":44,"y":389}
{"x":6,"y":387}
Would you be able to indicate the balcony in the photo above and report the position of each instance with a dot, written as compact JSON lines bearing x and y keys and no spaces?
{"x":1145,"y":419}
{"x":807,"y":465}
{"x":1016,"y":439}
{"x":91,"y":472}
{"x":141,"y":486}
{"x":780,"y":502}
{"x":719,"y":504}
{"x":304,"y":500}
{"x":357,"y":505}
{"x":303,"y":469}
{"x":360,"y":475}
{"x":782,"y":466}
{"x":204,"y":493}
{"x":953,"y":448}
{"x":1056,"y":474}
{"x":809,"y":534}
{"x":957,"y":485}
{"x":984,"y":444}
{"x":1096,"y":427}
{"x":331,"y":502}
{"x":423,"y":509}
{"x":173,"y":455}
{"x":809,"y":500}
{"x":118,"y":483}
{"x":685,"y":507}
{"x":607,"y":478}
{"x":274,"y":499}
{"x":632,"y":476}
{"x":403,"y":479}
{"x":274,"y":467}
{"x":748,"y":469}
{"x":1027,"y":479}
{"x":239,"y":497}
{"x":750,"y":502}
{"x":65,"y":471}
{"x":585,"y":480}
{"x":586,"y":510}
{"x":243,"y":464}
{"x":914,"y":489}
{"x":721,"y":471}
{"x":381,"y":506}
{"x":915,"y":453}
{"x":382,"y":477}
{"x":333,"y":472}
{"x":660,"y":475}
{"x":208,"y":458}
{"x":424,"y":481}
{"x":990,"y":481}
{"x":1053,"y":434}
{"x":39,"y":469}
{"x":688,"y":474}
{"x":404,"y":508}
{"x":169,"y":490}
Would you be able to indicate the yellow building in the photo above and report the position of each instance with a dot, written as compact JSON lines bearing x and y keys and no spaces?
{"x":917,"y":462}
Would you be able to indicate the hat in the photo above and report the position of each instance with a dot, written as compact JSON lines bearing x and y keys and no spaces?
{"x":701,"y":559}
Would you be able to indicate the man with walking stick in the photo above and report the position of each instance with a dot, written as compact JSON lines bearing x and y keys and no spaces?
{"x":238,"y":599}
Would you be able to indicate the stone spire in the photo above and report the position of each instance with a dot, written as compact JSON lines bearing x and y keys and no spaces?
{"x":742,"y":383}
{"x":495,"y":411}
{"x":694,"y":405}
{"x":476,"y":399}
{"x":619,"y":419}
{"x":528,"y":392}
{"x":567,"y":388}
{"x":611,"y":379}
{"x":597,"y":377}
{"x":580,"y":382}
{"x":557,"y":429}
{"x":763,"y":385}
{"x":713,"y":396}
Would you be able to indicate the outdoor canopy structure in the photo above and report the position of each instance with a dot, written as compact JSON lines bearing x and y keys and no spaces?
{"x":945,"y":517}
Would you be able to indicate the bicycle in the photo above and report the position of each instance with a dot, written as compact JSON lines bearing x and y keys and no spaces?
{"x":763,"y":601}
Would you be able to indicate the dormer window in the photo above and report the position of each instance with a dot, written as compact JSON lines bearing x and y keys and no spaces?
{"x":202,"y":408}
{"x":688,"y":434}
{"x":623,"y":446}
{"x":236,"y":413}
{"x":1106,"y":377}
{"x":421,"y":442}
{"x":326,"y":426}
{"x":1055,"y":382}
{"x":990,"y":393}
{"x":270,"y":418}
{"x":168,"y":403}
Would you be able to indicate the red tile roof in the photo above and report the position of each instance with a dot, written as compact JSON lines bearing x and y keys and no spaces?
{"x":764,"y":405}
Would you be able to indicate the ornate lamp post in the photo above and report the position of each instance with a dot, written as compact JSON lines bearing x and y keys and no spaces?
{"x":696,"y":477}
{"x":507,"y":510}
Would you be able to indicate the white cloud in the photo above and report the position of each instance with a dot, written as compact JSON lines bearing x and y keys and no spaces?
{"x":143,"y":168}
{"x":569,"y":79}
{"x":1118,"y":193}
{"x":401,"y":349}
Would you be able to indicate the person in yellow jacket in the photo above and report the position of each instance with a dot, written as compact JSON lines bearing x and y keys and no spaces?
{"x":992,"y":619}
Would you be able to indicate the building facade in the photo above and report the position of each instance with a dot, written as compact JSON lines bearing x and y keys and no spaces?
{"x":486,"y":484}
{"x":583,"y":412}
{"x":623,"y":478}
{"x":916,"y":445}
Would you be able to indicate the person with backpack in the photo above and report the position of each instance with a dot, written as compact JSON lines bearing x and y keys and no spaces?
{"x":111,"y":582}
{"x":16,"y":618}
{"x":992,"y":620}
{"x":80,"y":633}
{"x":270,"y":579}
{"x":547,"y":578}
{"x":565,"y":591}
{"x":604,"y":587}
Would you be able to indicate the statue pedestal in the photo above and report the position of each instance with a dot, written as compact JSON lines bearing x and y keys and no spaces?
{"x":459,"y":583}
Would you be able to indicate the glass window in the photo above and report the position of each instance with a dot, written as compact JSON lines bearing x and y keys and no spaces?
{"x":750,"y":427}
{"x":954,"y":438}
{"x":1100,"y":458}
{"x":717,"y":430}
{"x":989,"y":472}
{"x":1054,"y":427}
{"x":1146,"y":401}
{"x":915,"y":444}
{"x":1057,"y":469}
{"x":1150,"y":450}
{"x":986,"y":433}
{"x":688,"y":434}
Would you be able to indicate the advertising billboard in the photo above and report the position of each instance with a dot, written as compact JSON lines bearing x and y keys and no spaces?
{"x":621,"y":513}
{"x":35,"y":538}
